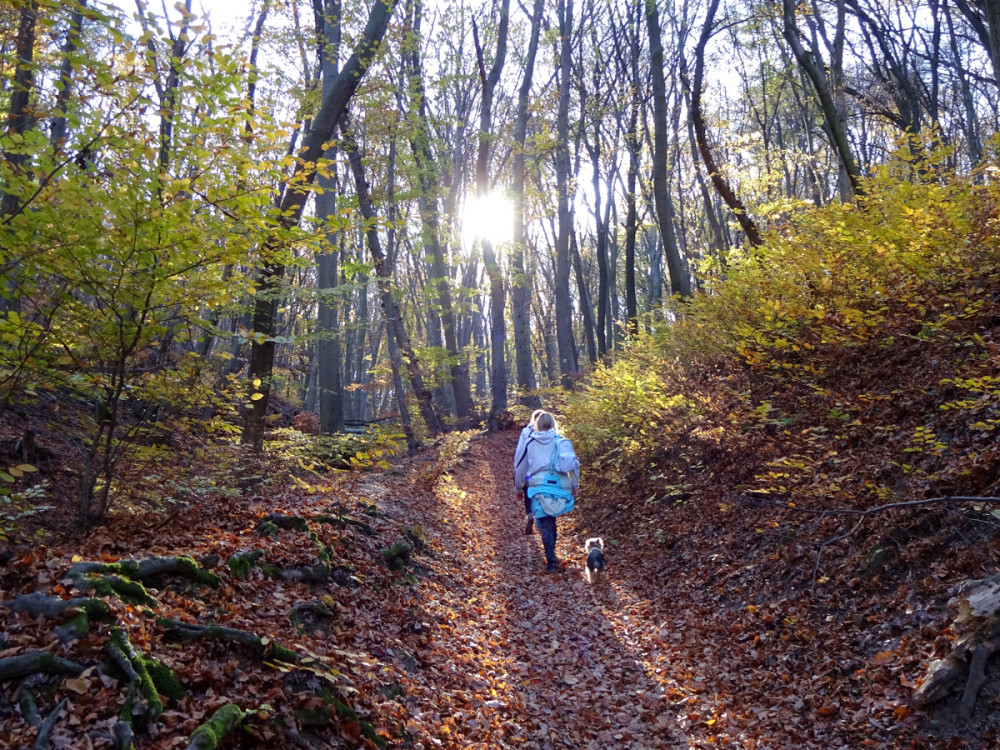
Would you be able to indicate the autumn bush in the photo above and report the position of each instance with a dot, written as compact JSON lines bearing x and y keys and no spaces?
{"x":911,"y":261}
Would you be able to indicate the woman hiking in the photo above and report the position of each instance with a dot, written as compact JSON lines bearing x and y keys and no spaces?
{"x":545,"y":457}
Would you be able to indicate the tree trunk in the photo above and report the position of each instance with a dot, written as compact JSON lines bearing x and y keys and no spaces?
{"x":564,"y":309}
{"x":586,"y":303}
{"x":19,"y":122}
{"x":701,"y":134}
{"x":680,"y":281}
{"x":428,"y":177}
{"x":57,"y":134}
{"x":328,"y":335}
{"x":290,"y":207}
{"x":390,"y":310}
{"x":520,"y":292}
{"x":498,"y":301}
{"x":814,"y":69}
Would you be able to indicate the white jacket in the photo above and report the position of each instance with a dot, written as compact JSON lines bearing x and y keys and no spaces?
{"x":533,"y":456}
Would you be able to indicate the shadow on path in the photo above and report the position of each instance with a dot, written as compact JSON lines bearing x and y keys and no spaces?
{"x":552,"y":659}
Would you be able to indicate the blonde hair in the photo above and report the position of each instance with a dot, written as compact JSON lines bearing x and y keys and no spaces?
{"x":545,"y":422}
{"x":534,"y":417}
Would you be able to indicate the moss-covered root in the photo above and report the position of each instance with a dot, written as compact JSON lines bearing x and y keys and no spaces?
{"x":126,"y":589}
{"x":241,"y":563}
{"x":209,"y":734}
{"x":143,"y":699}
{"x":269,"y":525}
{"x":188,"y":632}
{"x":148,"y":569}
{"x":83,"y":609}
{"x":346,"y":712}
{"x":398,"y":555}
{"x":43,"y":740}
{"x":22,"y":665}
{"x":123,"y":736}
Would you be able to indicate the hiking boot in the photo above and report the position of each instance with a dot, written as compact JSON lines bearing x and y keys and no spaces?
{"x":530,"y":527}
{"x":553,"y":568}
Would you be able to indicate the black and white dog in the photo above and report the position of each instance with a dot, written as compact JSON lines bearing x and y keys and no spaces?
{"x":595,"y":558}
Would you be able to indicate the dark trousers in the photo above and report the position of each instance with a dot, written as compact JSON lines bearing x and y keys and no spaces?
{"x":547,"y":530}
{"x":527,"y":502}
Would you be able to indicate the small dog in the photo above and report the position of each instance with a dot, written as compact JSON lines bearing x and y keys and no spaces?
{"x":595,"y":559}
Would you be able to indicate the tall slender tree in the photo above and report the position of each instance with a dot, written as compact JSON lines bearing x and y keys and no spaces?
{"x":520,"y":292}
{"x":498,"y":301}
{"x":290,"y":210}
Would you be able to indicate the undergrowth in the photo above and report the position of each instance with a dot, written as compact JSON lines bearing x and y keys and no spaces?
{"x":869,"y":327}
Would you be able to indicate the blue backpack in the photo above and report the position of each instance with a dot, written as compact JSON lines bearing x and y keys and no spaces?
{"x":549,"y":491}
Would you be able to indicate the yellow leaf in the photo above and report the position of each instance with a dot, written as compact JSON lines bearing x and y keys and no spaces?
{"x":257,"y":397}
{"x":77,"y":685}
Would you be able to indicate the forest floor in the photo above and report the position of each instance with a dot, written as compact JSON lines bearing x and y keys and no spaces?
{"x":689,"y":642}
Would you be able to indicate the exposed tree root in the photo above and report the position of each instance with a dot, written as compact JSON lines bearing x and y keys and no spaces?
{"x":977,"y":629}
{"x":143,"y":700}
{"x":241,"y":563}
{"x":209,"y":734}
{"x":13,"y":667}
{"x":44,"y":739}
{"x":187,"y":632}
{"x":148,"y":570}
{"x":308,"y":615}
{"x":270,"y":523}
{"x":398,"y":555}
{"x":129,"y":591}
{"x":84,"y":610}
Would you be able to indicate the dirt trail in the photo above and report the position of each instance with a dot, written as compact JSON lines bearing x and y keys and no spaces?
{"x":549,"y":661}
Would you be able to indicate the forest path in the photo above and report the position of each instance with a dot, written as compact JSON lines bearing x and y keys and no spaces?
{"x":549,"y":661}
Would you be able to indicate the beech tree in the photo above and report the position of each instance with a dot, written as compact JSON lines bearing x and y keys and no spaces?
{"x":290,"y":210}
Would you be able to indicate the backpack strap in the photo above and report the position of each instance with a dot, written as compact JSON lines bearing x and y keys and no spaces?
{"x":525,"y":454}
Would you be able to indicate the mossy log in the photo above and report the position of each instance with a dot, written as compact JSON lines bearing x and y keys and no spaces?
{"x":209,"y":734}
{"x":977,"y":637}
{"x":398,"y":555}
{"x":148,"y":570}
{"x":33,"y":662}
{"x":184,"y":631}
{"x":141,"y":686}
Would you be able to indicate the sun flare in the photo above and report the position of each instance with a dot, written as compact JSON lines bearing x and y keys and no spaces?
{"x":490,"y":218}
